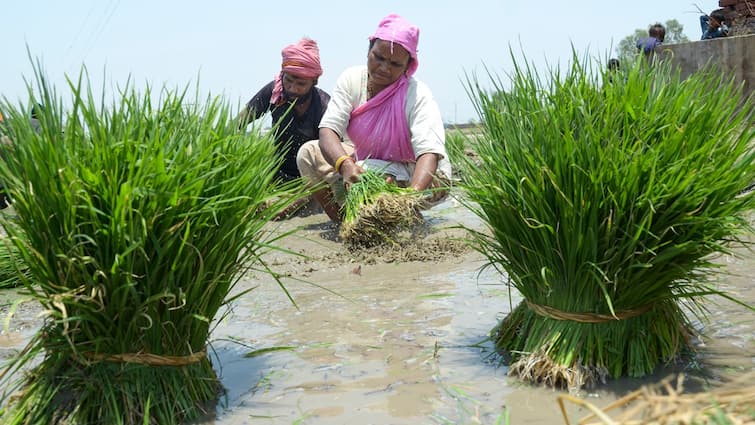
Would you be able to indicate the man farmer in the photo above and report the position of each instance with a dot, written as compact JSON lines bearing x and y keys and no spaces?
{"x":295,"y":103}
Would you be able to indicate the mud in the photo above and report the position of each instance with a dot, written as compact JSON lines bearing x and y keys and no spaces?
{"x":396,"y":335}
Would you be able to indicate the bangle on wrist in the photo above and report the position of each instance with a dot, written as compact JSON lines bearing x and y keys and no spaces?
{"x":339,"y":162}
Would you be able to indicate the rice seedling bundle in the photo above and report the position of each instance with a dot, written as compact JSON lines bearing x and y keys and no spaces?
{"x":375,"y":211}
{"x":137,"y":221}
{"x":606,"y":206}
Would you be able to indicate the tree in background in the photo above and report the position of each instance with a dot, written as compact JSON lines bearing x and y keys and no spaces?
{"x":627,"y":47}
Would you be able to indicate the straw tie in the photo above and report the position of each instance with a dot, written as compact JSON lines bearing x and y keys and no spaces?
{"x":553,"y":313}
{"x":148,"y":359}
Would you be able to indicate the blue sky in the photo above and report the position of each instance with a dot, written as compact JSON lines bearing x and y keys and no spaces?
{"x":232,"y":48}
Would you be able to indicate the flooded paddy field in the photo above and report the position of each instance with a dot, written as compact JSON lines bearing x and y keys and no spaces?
{"x":400,"y":337}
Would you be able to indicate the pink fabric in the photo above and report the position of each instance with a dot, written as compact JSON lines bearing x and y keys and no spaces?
{"x":302,"y":60}
{"x":396,"y":29}
{"x":379,"y":127}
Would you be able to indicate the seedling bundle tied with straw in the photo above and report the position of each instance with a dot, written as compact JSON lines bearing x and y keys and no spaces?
{"x":606,"y":205}
{"x":375,"y":211}
{"x":135,"y":221}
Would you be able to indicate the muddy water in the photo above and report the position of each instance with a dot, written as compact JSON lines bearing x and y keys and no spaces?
{"x":402,"y":343}
{"x":371,"y":342}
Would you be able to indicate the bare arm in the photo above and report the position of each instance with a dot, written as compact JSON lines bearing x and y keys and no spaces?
{"x":428,"y":137}
{"x":245,"y":117}
{"x":330,"y":145}
{"x":424,"y":170}
{"x":257,"y":105}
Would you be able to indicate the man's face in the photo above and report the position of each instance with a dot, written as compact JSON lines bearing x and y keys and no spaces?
{"x":296,"y":87}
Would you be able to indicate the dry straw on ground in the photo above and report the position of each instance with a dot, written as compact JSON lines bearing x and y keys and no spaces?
{"x":664,"y":403}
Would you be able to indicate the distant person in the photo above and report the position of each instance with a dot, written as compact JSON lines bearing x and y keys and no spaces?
{"x":295,"y":102}
{"x":613,"y":64}
{"x":4,"y":140}
{"x":656,"y":35}
{"x":714,"y":25}
{"x":36,"y":125}
{"x":613,"y":68}
{"x":380,"y":118}
{"x":35,"y":111}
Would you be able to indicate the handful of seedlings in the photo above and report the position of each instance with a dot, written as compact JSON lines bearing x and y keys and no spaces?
{"x":376,"y":211}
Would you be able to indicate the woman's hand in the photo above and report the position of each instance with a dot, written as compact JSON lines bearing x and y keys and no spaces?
{"x":332,"y":150}
{"x":350,"y":172}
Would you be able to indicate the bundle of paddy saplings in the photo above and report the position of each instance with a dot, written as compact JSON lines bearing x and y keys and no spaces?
{"x":376,"y":210}
{"x":138,"y":219}
{"x":605,"y":205}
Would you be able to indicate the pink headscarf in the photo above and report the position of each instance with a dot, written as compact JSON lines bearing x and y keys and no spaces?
{"x":379,"y":127}
{"x":302,"y":60}
{"x":396,"y":29}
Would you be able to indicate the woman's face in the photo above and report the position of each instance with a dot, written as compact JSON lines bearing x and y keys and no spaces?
{"x":386,"y":62}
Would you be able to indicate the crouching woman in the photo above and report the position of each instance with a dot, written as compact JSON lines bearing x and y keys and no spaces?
{"x":379,"y":118}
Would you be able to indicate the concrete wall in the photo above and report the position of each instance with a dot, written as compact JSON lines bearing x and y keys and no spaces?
{"x":736,"y":54}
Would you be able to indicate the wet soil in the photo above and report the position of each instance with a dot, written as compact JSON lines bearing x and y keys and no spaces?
{"x":396,"y":335}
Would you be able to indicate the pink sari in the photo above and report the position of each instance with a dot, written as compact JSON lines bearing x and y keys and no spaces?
{"x":379,"y":127}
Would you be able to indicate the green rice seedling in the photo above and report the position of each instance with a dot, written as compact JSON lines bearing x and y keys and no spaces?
{"x":376,"y":210}
{"x":605,"y":206}
{"x":138,"y":218}
{"x":11,"y":265}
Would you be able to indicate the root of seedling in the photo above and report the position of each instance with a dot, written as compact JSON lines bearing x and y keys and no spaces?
{"x":381,"y":221}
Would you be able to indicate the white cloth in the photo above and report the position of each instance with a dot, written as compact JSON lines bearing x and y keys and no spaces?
{"x":422,"y":112}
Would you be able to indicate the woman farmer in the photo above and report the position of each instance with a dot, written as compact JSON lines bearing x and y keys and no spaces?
{"x":379,"y":118}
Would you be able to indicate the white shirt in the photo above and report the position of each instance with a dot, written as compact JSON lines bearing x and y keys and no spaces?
{"x":422,"y":113}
